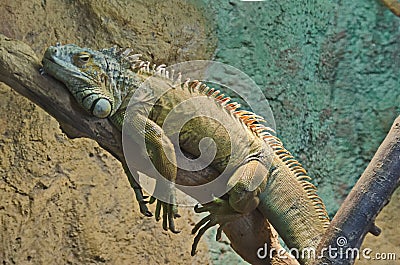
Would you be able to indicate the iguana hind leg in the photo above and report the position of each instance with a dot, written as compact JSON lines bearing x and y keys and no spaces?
{"x":247,"y":182}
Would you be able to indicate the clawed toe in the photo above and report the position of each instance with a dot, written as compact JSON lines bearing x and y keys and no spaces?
{"x":220,"y":213}
{"x":169,"y":213}
{"x":208,"y":223}
{"x":143,"y":208}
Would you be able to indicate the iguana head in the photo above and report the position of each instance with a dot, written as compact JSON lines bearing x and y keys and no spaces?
{"x":91,"y":76}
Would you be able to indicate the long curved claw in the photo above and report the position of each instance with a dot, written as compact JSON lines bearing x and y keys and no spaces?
{"x":200,"y":209}
{"x":220,"y":213}
{"x":219,"y":232}
{"x":201,"y":232}
{"x":158,"y":209}
{"x":174,"y":210}
{"x":142,"y":202}
{"x":165,"y":216}
{"x":200,"y":224}
{"x":169,"y":213}
{"x":173,"y":213}
{"x":138,"y":191}
{"x":209,"y":207}
{"x":143,"y":208}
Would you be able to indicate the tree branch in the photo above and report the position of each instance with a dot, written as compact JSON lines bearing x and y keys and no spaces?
{"x":393,"y":5}
{"x":371,"y":193}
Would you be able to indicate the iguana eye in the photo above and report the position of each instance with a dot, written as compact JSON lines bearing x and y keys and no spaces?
{"x":84,"y":57}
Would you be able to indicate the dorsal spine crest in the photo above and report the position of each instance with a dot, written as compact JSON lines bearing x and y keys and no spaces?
{"x":249,"y":119}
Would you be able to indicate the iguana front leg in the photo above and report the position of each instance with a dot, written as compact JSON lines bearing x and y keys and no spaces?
{"x":138,"y":190}
{"x":247,"y":182}
{"x":158,"y":145}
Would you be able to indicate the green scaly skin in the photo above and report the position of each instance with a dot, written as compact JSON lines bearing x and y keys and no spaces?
{"x":262,"y":174}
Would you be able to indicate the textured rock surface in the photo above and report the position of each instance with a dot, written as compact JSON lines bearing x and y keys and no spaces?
{"x":67,"y":201}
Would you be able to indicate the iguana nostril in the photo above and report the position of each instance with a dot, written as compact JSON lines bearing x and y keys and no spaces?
{"x":54,"y":51}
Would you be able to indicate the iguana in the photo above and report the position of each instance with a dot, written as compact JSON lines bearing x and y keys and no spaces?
{"x":262,"y":174}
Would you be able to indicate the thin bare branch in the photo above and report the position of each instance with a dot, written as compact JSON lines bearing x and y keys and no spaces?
{"x":393,"y":5}
{"x":371,"y":193}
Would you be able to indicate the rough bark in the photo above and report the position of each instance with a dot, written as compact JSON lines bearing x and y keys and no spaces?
{"x":393,"y":6}
{"x":371,"y":193}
